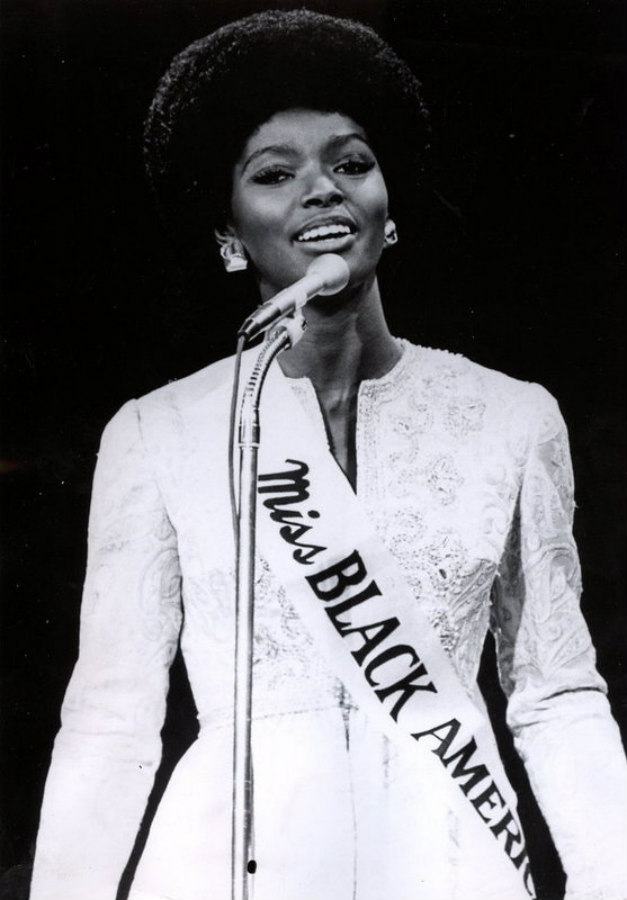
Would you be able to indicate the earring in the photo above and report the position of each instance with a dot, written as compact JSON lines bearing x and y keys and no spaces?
{"x":232,"y":252}
{"x":391,"y":234}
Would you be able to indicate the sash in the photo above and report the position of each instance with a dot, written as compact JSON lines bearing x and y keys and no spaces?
{"x":352,"y":596}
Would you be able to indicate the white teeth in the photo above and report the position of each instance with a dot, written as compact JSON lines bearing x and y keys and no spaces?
{"x":324,"y":231}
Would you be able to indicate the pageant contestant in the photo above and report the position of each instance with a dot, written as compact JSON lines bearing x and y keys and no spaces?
{"x":434,"y":499}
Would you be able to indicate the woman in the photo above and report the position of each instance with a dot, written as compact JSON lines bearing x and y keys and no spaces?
{"x":291,"y":135}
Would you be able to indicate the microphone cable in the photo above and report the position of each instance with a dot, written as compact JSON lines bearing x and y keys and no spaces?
{"x":241,"y":341}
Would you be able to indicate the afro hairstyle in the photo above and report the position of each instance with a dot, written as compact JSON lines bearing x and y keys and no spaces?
{"x":222,"y":87}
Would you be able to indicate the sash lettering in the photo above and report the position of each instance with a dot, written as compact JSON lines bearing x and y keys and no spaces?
{"x":291,"y":487}
{"x":488,"y":799}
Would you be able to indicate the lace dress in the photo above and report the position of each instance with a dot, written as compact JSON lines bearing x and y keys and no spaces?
{"x":466,"y":476}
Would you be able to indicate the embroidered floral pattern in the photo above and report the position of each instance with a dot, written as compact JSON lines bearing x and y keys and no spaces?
{"x":283,"y":650}
{"x":542,"y":639}
{"x":401,"y":535}
{"x":162,"y":578}
{"x":443,"y":479}
{"x":464,"y":416}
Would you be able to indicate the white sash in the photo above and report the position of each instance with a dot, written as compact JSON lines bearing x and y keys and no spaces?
{"x":351,"y":595}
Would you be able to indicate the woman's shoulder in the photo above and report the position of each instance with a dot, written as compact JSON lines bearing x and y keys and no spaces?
{"x":214,"y":379}
{"x":162,"y":411}
{"x":458,"y":381}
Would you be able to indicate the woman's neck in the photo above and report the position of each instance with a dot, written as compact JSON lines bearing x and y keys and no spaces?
{"x":346,"y":341}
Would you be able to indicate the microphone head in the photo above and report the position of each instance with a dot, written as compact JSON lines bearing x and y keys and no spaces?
{"x":331,"y":270}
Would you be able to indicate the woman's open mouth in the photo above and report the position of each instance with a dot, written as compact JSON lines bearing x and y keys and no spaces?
{"x":327,"y":236}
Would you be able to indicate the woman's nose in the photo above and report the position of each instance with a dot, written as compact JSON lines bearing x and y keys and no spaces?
{"x":322,"y":191}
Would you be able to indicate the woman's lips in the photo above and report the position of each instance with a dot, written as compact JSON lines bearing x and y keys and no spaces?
{"x":328,"y":244}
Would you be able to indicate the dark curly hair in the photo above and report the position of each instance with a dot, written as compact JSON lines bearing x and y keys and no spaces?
{"x":223,"y":86}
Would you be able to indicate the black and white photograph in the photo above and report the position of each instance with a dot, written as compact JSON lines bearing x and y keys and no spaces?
{"x":314,"y":443}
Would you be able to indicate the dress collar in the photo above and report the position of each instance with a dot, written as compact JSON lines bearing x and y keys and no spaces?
{"x":371,"y":386}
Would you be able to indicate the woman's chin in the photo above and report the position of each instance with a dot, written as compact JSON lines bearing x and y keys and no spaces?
{"x":289,"y":268}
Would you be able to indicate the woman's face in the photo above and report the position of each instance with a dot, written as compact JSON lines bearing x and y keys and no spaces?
{"x":308,"y":183}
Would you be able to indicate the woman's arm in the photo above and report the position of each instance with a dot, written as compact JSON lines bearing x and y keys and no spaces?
{"x":108,"y":749}
{"x":557,"y":708}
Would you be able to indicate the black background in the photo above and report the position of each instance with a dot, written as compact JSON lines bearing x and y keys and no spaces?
{"x":519,"y":265}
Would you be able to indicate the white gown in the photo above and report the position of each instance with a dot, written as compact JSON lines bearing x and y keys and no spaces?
{"x":466,"y":476}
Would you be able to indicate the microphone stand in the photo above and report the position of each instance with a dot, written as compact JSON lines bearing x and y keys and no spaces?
{"x":242,"y":864}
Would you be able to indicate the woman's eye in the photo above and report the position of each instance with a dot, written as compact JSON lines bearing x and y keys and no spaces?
{"x":355,"y":166}
{"x":271,"y":176}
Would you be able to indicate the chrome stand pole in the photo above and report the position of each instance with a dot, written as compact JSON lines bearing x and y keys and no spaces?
{"x":242,"y":864}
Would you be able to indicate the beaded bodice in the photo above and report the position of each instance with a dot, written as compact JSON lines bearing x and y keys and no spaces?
{"x":442,"y":451}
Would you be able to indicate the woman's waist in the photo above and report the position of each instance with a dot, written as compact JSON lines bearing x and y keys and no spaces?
{"x":293,"y":700}
{"x":283,"y":684}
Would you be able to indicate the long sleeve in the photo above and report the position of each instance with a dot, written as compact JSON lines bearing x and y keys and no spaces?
{"x":557,"y":708}
{"x":108,"y":748}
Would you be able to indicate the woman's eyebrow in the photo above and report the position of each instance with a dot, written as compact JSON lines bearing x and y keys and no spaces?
{"x":338,"y":140}
{"x":288,"y":149}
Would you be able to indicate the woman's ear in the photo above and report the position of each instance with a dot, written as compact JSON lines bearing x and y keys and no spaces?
{"x":390,"y":233}
{"x":231,"y":249}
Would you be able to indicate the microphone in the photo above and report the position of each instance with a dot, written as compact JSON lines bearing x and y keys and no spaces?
{"x":326,"y":274}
